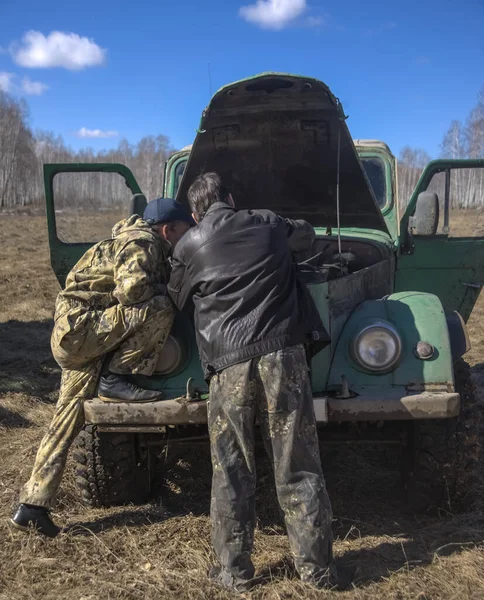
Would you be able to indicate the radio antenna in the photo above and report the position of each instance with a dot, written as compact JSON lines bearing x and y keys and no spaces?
{"x":209,"y":80}
{"x":337,"y":198}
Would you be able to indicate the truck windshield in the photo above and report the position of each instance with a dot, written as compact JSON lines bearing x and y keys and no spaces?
{"x":179,"y":170}
{"x":375,"y":171}
{"x":373,"y":165}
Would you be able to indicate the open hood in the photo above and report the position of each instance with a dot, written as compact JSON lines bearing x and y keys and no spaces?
{"x":273,"y":139}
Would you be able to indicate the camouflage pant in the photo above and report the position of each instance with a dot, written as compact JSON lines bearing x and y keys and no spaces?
{"x":80,"y":341}
{"x":276,"y":389}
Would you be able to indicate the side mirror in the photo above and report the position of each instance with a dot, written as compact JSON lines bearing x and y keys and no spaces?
{"x":137,"y":205}
{"x":425,"y":220}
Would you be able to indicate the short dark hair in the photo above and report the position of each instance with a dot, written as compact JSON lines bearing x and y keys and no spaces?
{"x":205,"y":191}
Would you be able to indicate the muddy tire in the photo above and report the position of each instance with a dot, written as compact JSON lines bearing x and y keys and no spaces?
{"x":109,"y":468}
{"x":445,"y":454}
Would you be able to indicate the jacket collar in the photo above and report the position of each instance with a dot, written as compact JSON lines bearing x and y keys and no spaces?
{"x":219,"y":206}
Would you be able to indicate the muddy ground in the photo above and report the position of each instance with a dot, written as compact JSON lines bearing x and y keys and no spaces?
{"x":151,"y":552}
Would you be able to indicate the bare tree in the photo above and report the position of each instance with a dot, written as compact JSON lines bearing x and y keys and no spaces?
{"x":453,"y":143}
{"x":23,"y":154}
{"x":411,"y":163}
{"x":17,"y":158}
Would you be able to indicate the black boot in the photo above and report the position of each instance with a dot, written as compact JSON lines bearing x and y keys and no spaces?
{"x":120,"y":388}
{"x":36,"y":517}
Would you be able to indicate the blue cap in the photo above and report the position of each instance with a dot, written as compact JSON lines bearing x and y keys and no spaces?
{"x":166,"y":209}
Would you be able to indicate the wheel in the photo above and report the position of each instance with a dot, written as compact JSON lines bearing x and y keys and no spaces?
{"x":110,"y":469}
{"x":445,"y":462}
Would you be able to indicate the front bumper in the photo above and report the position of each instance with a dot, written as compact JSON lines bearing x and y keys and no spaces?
{"x":426,"y":405}
{"x":392,"y":406}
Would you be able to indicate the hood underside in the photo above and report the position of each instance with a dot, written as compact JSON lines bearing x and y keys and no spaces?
{"x":274,"y":141}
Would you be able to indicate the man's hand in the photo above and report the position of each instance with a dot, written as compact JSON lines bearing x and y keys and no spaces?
{"x":300,"y":235}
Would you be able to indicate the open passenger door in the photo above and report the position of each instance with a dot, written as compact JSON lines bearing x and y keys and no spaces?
{"x":83,"y":203}
{"x":444,"y":258}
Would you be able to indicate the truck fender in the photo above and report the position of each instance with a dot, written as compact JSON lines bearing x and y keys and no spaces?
{"x":458,"y":334}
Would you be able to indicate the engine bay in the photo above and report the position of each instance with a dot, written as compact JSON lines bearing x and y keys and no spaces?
{"x":324,"y":261}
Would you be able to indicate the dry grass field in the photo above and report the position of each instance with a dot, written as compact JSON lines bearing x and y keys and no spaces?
{"x":153,"y":552}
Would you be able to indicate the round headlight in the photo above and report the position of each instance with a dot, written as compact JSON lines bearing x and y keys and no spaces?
{"x":171,"y":356}
{"x":377,"y":347}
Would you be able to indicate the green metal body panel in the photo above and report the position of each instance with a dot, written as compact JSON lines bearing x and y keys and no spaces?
{"x":175,"y":385}
{"x":451,"y":268}
{"x":444,"y":266}
{"x":336,"y":300}
{"x":417,"y":317}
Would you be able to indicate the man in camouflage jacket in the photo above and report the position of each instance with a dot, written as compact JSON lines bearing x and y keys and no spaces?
{"x":111,"y":321}
{"x":254,"y":323}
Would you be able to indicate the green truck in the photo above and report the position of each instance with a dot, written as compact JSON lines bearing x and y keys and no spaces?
{"x":393,"y":292}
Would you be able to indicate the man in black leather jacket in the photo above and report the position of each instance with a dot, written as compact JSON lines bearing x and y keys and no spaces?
{"x":254,"y":321}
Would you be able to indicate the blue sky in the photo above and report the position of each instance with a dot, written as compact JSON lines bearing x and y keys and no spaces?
{"x":402,"y":70}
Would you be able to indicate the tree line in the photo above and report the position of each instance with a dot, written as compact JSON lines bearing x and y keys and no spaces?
{"x":461,"y":140}
{"x":23,"y":152}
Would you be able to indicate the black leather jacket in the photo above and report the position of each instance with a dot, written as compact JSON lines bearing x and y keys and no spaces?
{"x":237,"y":269}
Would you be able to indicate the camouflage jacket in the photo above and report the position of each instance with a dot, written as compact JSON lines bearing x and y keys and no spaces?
{"x":129,"y":268}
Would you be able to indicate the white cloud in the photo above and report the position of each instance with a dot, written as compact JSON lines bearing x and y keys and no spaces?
{"x":33,"y":88}
{"x":95,"y":133}
{"x":8,"y":83}
{"x":58,"y":49}
{"x":273,"y":14}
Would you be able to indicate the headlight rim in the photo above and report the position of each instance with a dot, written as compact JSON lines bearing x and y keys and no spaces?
{"x":181,"y":349}
{"x":387,"y":368}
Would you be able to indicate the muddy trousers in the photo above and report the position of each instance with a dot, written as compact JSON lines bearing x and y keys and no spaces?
{"x":80,"y":342}
{"x":276,"y":389}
